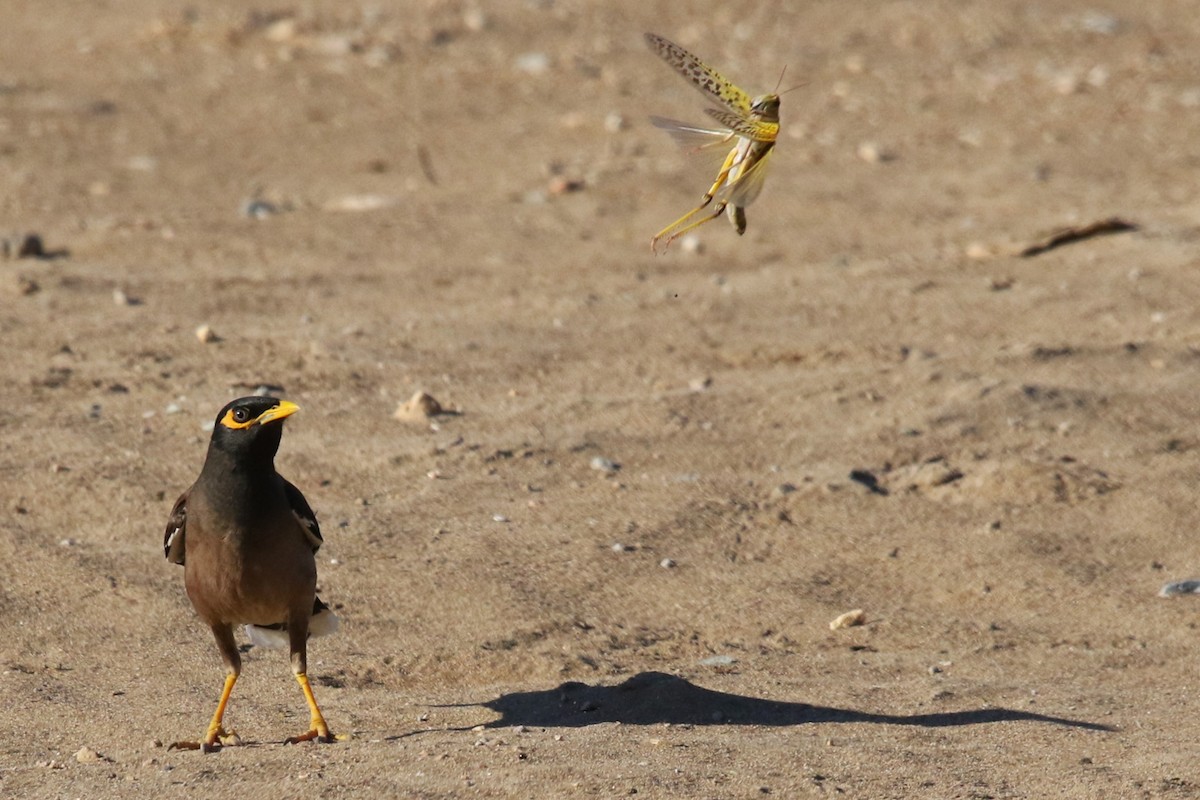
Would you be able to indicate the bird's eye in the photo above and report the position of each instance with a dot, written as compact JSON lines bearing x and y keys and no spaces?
{"x":240,"y":415}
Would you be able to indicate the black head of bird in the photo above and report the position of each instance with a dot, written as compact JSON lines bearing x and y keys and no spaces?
{"x":248,"y":430}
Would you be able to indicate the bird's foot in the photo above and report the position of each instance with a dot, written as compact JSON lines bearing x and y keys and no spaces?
{"x":213,"y":742}
{"x":325,"y":737}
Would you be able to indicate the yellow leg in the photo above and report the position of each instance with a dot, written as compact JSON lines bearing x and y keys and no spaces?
{"x":722,"y":176}
{"x":317,"y":728}
{"x":215,"y":730}
{"x":717,"y":211}
{"x":216,"y":735}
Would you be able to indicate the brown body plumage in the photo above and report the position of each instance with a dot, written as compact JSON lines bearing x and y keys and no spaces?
{"x":247,"y":540}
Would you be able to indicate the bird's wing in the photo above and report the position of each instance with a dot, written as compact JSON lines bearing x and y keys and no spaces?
{"x":304,"y":515}
{"x":176,"y":526}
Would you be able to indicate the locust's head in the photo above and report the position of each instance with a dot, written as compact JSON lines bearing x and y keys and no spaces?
{"x":765,"y":108}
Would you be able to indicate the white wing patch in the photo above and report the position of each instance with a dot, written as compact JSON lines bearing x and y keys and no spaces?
{"x":311,"y":530}
{"x":173,"y":538}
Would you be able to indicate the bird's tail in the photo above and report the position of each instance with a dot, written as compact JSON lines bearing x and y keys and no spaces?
{"x":322,"y":623}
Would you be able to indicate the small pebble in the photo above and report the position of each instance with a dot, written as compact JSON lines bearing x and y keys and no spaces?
{"x":1099,"y":22}
{"x":718,"y":661}
{"x":259,"y":209}
{"x":873,"y":153}
{"x":1180,"y":587}
{"x":618,"y":547}
{"x":142,"y":163}
{"x":782,"y":490}
{"x":475,"y":20}
{"x":362,"y":202}
{"x":533,"y":63}
{"x":692,"y":244}
{"x":86,"y":755}
{"x":667,"y":563}
{"x":849,"y":620}
{"x":334,"y":45}
{"x":614,"y":122}
{"x":978,"y":251}
{"x":499,"y":518}
{"x":22,"y":245}
{"x":1097,"y":76}
{"x":282,"y":30}
{"x":206,"y":334}
{"x":1065,"y":83}
{"x":606,"y":465}
{"x":559,"y":186}
{"x":421,"y":406}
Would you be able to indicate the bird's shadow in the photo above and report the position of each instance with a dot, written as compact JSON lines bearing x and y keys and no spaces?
{"x":654,"y":697}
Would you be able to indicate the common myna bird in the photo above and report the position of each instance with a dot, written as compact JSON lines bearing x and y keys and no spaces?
{"x":247,"y":538}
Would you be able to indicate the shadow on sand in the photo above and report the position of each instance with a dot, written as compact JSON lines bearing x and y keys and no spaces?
{"x":654,"y":697}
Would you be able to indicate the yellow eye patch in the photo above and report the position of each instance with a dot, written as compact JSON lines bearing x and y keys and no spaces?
{"x":283,"y":409}
{"x":229,"y":422}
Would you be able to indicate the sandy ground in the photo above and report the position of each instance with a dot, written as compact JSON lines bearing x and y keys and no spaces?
{"x":459,"y":198}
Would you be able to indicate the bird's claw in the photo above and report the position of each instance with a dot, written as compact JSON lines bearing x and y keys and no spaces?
{"x":213,"y":742}
{"x":312,"y":735}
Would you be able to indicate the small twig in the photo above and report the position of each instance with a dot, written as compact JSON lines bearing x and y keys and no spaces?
{"x":1078,"y":234}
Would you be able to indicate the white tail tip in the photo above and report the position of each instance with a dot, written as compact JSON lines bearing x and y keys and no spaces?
{"x":322,"y":623}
